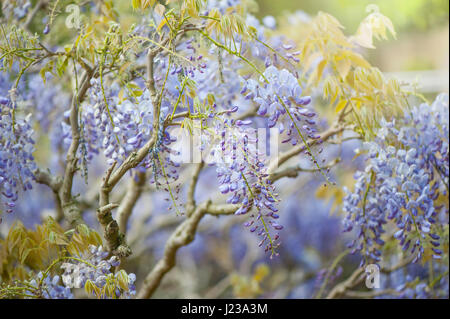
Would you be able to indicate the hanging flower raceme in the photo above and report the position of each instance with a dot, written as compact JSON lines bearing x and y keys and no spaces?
{"x":45,"y":101}
{"x":242,"y":174}
{"x":281,"y":102}
{"x":113,"y":127}
{"x":165,"y":168}
{"x":407,"y":171}
{"x":16,"y":153}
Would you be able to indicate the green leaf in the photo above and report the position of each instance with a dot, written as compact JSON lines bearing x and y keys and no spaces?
{"x":62,"y":64}
{"x":25,"y":254}
{"x":83,"y":229}
{"x":122,"y":278}
{"x":89,"y":286}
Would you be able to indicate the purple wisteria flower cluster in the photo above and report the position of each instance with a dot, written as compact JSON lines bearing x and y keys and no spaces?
{"x":407,"y":170}
{"x":222,"y":84}
{"x":242,"y":173}
{"x":17,"y":163}
{"x":113,"y":127}
{"x":162,"y":159}
{"x":96,"y":267}
{"x":278,"y":96}
{"x":413,"y":282}
{"x":193,"y":61}
{"x":45,"y":101}
{"x":49,"y":287}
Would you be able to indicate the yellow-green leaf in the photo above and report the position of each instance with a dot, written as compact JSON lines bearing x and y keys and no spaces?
{"x":341,"y":105}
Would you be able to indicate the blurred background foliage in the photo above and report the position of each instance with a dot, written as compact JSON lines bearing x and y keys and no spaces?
{"x":422,"y":30}
{"x":407,"y":15}
{"x":421,"y":25}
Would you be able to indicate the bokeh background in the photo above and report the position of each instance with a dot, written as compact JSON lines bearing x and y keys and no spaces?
{"x":419,"y":54}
